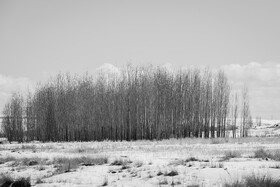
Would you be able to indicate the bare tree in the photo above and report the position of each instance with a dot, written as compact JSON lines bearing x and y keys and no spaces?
{"x":138,"y":103}
{"x":245,"y":113}
{"x":234,"y":114}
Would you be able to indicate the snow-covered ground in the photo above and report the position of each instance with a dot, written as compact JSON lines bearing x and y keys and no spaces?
{"x":267,"y":128}
{"x":174,"y":162}
{"x":144,"y":163}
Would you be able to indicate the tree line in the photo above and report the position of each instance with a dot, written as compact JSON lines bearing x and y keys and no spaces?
{"x":137,"y":103}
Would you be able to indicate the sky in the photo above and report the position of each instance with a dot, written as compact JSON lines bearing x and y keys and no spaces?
{"x":39,"y":39}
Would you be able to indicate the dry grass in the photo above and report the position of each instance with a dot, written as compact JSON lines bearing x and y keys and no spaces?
{"x":105,"y":181}
{"x":166,"y":154}
{"x":69,"y":164}
{"x":159,"y":173}
{"x":276,"y":166}
{"x":231,"y":154}
{"x":26,"y":161}
{"x":6,"y":181}
{"x":171,"y":173}
{"x":164,"y":181}
{"x":177,"y":162}
{"x":191,"y":159}
{"x":266,"y":154}
{"x":138,"y":163}
{"x":185,"y":162}
{"x":216,"y":164}
{"x":6,"y":159}
{"x":121,"y":162}
{"x":261,"y":153}
{"x":255,"y":181}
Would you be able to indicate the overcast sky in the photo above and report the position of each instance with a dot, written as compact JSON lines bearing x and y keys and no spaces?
{"x":42,"y":38}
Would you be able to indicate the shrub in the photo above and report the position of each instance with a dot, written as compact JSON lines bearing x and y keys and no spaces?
{"x":138,"y":163}
{"x":276,"y":155}
{"x":216,"y":165}
{"x":231,"y":154}
{"x":163,"y":181}
{"x":265,"y":154}
{"x":261,"y":153}
{"x":105,"y":182}
{"x":150,"y":175}
{"x":172,"y":173}
{"x":21,"y":183}
{"x":159,"y":173}
{"x":23,"y":161}
{"x":6,"y":181}
{"x":178,"y":162}
{"x":184,"y":162}
{"x":39,"y":181}
{"x":216,"y":141}
{"x":120,"y":162}
{"x":276,"y":166}
{"x":3,"y":160}
{"x":255,"y":181}
{"x":28,"y":146}
{"x":125,"y":166}
{"x":32,"y":161}
{"x":88,"y":161}
{"x":192,"y":159}
{"x":263,"y":181}
{"x":68,"y":164}
{"x":236,"y":183}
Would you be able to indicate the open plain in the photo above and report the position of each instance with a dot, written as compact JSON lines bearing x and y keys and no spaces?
{"x":174,"y":162}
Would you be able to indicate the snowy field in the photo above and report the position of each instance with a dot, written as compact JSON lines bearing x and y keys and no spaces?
{"x":175,"y":162}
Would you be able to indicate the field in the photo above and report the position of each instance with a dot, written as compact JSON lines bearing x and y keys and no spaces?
{"x":174,"y":162}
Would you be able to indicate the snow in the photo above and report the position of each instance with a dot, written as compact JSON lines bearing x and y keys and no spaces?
{"x":155,"y":155}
